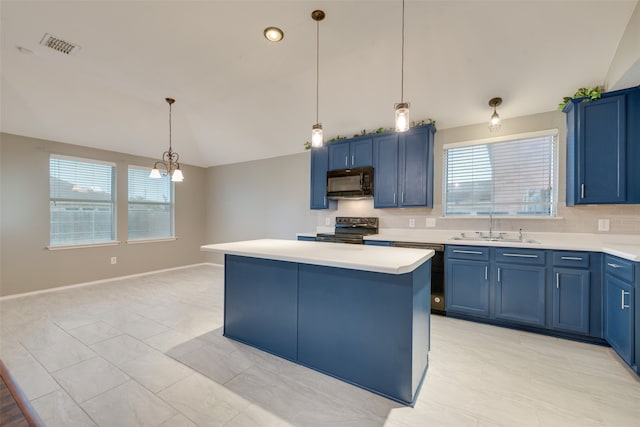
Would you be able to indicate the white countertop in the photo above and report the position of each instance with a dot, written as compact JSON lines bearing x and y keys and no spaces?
{"x":624,"y":246}
{"x":355,"y":257}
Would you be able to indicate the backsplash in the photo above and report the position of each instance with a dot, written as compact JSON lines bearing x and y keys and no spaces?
{"x":623,"y":219}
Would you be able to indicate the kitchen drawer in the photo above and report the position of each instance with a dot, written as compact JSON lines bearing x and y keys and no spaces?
{"x":621,"y":268}
{"x":571,"y":259}
{"x":521,"y":256}
{"x":478,"y":253}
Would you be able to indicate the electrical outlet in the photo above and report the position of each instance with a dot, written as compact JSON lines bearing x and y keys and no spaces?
{"x":412,"y":222}
{"x":114,"y":260}
{"x":430,"y":222}
{"x":603,"y":225}
{"x":327,"y":221}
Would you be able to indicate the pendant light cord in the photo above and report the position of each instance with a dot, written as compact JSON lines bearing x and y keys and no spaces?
{"x":402,"y":67}
{"x":318,"y":68}
{"x":169,"y":127}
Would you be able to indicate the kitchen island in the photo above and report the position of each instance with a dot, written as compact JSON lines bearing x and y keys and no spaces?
{"x":358,"y":313}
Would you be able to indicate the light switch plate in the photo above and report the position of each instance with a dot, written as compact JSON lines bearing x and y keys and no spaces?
{"x":603,"y":225}
{"x":327,"y":221}
{"x":412,"y":222}
{"x":431,"y":222}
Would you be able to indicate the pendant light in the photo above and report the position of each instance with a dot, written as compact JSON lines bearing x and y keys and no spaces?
{"x":495,"y":121}
{"x":316,"y":130}
{"x":169,"y":160}
{"x":402,"y":108}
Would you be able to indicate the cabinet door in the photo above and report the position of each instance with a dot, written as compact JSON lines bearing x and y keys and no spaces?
{"x":467,"y":287}
{"x":601,"y":140}
{"x":338,"y":155}
{"x":319,"y":165}
{"x":361,"y":153}
{"x":571,"y":300}
{"x":414,"y":169}
{"x":385,"y":172}
{"x":520,"y":293}
{"x":618,"y":321}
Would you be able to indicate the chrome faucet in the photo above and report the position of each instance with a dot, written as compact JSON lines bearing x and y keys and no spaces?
{"x":490,"y":226}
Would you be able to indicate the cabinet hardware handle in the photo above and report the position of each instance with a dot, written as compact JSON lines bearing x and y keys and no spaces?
{"x":572,"y":258}
{"x":486,"y":272}
{"x":353,"y":159}
{"x":498,"y":274}
{"x":394,"y":197}
{"x":622,"y":304}
{"x":325,"y":200}
{"x":403,"y":197}
{"x":613,"y":265}
{"x":582,"y":191}
{"x":557,"y":280}
{"x":460,"y":251}
{"x":346,"y":160}
{"x":521,"y":255}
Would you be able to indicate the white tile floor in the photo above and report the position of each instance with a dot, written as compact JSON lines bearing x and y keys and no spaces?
{"x":108,"y":355}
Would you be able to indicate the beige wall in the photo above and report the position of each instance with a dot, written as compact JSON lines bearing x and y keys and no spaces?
{"x":624,"y":70}
{"x":624,"y":219}
{"x":27,"y":266}
{"x":259,"y":199}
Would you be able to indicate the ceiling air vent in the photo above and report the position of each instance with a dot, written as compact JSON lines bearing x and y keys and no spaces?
{"x":58,"y":44}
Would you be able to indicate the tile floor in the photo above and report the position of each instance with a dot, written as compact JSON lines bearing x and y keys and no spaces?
{"x":108,"y":354}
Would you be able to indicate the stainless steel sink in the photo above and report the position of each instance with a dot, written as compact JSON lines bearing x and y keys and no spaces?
{"x":479,"y":237}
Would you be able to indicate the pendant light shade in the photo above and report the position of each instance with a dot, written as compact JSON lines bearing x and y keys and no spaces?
{"x":402,"y":108}
{"x":402,"y":117}
{"x":170,"y":158}
{"x":316,"y":135}
{"x":495,"y":121}
{"x":316,"y":130}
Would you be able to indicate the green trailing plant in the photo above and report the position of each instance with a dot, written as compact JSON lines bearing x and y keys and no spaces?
{"x":363,"y":132}
{"x":583,"y":92}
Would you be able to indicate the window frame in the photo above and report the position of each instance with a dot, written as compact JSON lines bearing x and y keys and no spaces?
{"x":172,"y":190}
{"x":113,"y":202}
{"x":554,"y":170}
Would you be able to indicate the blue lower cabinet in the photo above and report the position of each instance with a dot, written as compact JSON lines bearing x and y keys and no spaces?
{"x":369,"y":329}
{"x":520,"y":293}
{"x":619,"y":317}
{"x":467,"y":287}
{"x":571,"y":308}
{"x":307,"y":238}
{"x":261,"y":307}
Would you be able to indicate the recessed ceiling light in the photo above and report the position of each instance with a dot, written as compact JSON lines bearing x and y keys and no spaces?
{"x":273,"y":34}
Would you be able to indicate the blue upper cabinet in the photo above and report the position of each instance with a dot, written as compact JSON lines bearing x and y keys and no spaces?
{"x":602,"y":143}
{"x":351,"y":154}
{"x":319,"y":167}
{"x":403,"y":169}
{"x":385,"y":171}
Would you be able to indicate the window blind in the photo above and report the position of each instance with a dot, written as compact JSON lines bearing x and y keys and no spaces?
{"x":509,"y":177}
{"x":81,"y":201}
{"x":151,"y":206}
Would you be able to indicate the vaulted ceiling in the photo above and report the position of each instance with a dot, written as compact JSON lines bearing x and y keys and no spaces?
{"x":240,"y":97}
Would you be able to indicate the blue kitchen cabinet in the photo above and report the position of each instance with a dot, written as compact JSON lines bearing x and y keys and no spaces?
{"x":403,"y":169}
{"x":520,"y":286}
{"x":571,"y":300}
{"x":319,"y":167}
{"x":416,"y":167}
{"x":351,"y":154}
{"x":602,"y":149}
{"x":307,"y":238}
{"x":467,"y":280}
{"x":619,"y":285}
{"x":378,"y":243}
{"x":385,"y":171}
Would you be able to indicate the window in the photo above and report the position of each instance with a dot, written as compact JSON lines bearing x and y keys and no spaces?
{"x":150,"y":205}
{"x":82,"y":201}
{"x":512,"y":176}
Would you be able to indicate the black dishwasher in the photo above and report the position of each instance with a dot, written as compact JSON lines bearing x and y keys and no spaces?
{"x":437,"y":272}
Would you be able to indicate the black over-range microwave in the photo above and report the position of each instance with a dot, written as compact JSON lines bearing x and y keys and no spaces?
{"x":356,"y":183}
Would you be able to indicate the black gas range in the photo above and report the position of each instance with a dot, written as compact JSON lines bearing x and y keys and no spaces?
{"x":350,"y":230}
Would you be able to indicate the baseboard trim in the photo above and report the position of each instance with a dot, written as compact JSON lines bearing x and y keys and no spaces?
{"x":97,"y":282}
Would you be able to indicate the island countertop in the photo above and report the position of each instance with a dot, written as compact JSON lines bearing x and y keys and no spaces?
{"x":355,"y":257}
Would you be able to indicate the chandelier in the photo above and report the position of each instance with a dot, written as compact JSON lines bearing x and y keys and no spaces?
{"x":169,"y":162}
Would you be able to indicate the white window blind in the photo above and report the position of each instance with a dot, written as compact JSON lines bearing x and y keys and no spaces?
{"x":151,"y":205}
{"x":81,"y":201}
{"x":512,"y":177}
